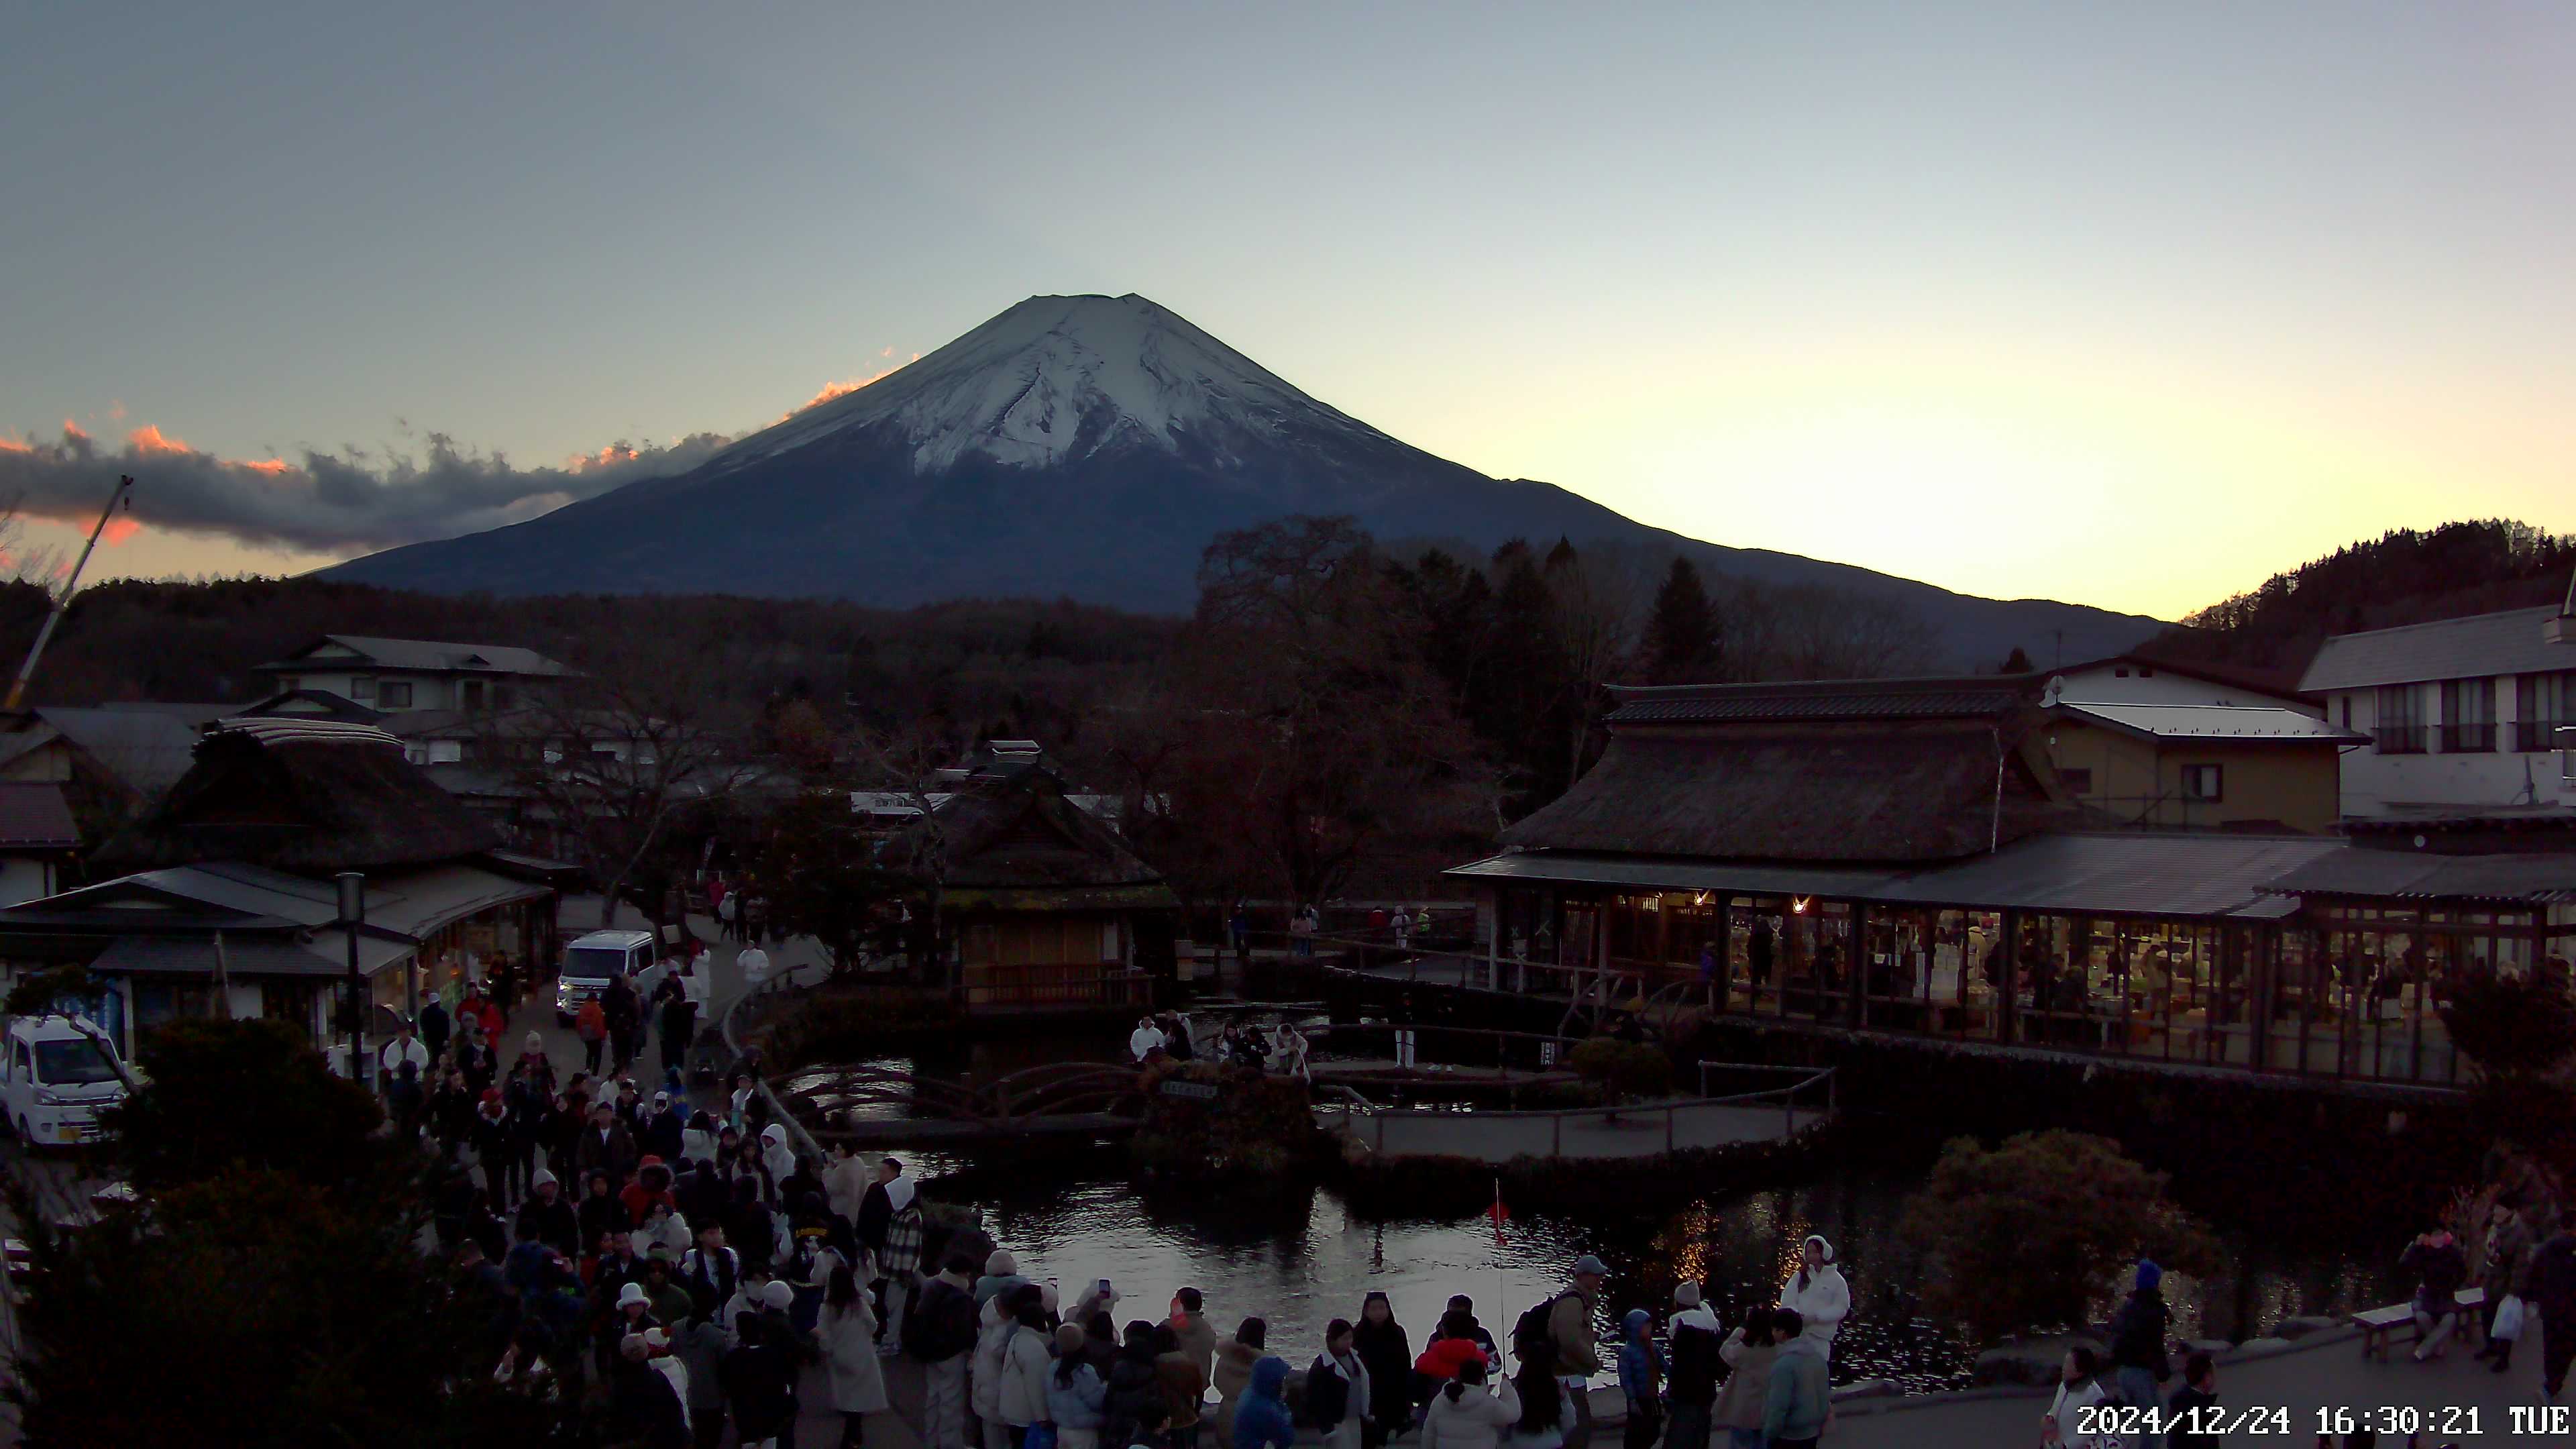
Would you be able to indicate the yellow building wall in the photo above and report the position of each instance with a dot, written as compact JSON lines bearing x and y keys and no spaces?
{"x":2297,"y":785}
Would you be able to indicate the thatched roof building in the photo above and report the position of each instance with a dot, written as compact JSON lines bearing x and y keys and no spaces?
{"x":303,"y":797}
{"x":1861,"y":772}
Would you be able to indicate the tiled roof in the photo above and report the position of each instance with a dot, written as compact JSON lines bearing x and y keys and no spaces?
{"x":1832,"y":699}
{"x":420,"y":654}
{"x":2249,"y":723}
{"x":34,"y":816}
{"x":2472,"y":648}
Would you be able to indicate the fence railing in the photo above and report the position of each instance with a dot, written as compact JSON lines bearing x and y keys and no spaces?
{"x":1669,"y":1109}
{"x":1026,"y":986}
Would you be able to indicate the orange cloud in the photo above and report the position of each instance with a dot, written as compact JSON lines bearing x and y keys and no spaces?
{"x":12,"y":445}
{"x":270,"y":466}
{"x":832,"y":390}
{"x":73,"y":430}
{"x":609,"y":456}
{"x":116,"y":409}
{"x":119,"y":529}
{"x":148,"y":439}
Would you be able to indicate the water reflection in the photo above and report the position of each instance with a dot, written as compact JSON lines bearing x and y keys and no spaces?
{"x":1300,"y":1257}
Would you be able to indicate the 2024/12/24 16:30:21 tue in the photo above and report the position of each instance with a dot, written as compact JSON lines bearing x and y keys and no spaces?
{"x":2396,"y":1421}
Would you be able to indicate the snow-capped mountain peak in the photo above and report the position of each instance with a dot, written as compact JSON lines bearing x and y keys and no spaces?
{"x":1055,"y":379}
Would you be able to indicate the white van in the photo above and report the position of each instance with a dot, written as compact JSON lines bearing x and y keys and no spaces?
{"x":593,"y":961}
{"x":58,"y":1072}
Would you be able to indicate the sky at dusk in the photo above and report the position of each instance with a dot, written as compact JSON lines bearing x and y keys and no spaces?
{"x":2124,"y":306}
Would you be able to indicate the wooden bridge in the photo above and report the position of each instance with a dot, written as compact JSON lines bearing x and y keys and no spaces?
{"x":1059,"y":1099}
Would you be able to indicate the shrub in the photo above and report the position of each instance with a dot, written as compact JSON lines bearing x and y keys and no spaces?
{"x":225,"y":1096}
{"x":1622,"y":1070}
{"x":2027,"y":1235}
{"x":2511,"y":1026}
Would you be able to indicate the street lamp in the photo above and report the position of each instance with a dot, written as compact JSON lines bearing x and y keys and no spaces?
{"x":353,"y":914}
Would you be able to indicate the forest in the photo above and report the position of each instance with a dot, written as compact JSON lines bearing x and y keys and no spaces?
{"x":2404,"y":576}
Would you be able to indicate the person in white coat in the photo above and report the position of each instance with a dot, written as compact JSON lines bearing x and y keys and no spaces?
{"x":1026,"y":1363}
{"x":845,"y":1182}
{"x":775,"y":1155}
{"x":984,"y":1391}
{"x":1464,"y":1416}
{"x":846,"y":1331}
{"x":673,"y":1369}
{"x":1818,"y":1294}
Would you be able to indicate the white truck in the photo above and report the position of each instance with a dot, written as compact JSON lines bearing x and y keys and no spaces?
{"x":57,"y":1074}
{"x":593,"y":961}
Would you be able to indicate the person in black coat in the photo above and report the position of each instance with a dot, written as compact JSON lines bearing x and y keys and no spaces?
{"x":435,"y":1028}
{"x":1387,"y":1353}
{"x":549,"y":1218}
{"x":600,"y":1213}
{"x":759,"y":1378}
{"x":876,"y":1210}
{"x":2553,"y":1301}
{"x":643,"y":1408}
{"x":1134,"y":1386}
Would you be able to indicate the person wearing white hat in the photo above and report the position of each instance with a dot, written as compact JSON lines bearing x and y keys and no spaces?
{"x":657,"y":1344}
{"x":643,"y":1403}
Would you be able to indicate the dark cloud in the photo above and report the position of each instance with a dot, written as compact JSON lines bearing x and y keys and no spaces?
{"x":345,"y":502}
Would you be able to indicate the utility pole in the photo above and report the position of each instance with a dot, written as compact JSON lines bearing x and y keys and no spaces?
{"x":353,"y":914}
{"x":62,"y":601}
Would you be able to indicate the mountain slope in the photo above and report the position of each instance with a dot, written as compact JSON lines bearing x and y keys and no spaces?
{"x":1088,"y":447}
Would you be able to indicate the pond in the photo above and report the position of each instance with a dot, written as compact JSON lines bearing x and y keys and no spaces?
{"x":1299,"y":1258}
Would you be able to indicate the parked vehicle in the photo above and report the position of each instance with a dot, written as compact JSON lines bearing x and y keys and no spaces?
{"x":593,"y":961}
{"x":57,"y":1074}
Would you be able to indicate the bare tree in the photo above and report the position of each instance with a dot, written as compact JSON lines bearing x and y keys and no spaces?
{"x":614,"y":754}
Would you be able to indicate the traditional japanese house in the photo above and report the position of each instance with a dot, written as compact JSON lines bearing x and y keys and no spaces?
{"x":243,"y":851}
{"x":1900,"y":858}
{"x":1043,"y":905}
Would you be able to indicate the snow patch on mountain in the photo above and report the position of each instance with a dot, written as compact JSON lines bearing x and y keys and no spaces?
{"x":1056,"y":379}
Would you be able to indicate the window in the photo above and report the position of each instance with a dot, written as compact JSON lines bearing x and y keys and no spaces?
{"x":2468,"y":716}
{"x":446,"y":752}
{"x":288,"y":684}
{"x":2077,"y":782}
{"x":469,"y":694}
{"x":2204,"y":782}
{"x":361,"y":687}
{"x":2399,"y":725}
{"x":393,"y":694}
{"x":2542,"y":703}
{"x":2344,"y":702}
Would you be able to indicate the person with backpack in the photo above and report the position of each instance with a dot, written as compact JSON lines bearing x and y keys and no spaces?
{"x":710,"y":1271}
{"x":1025,"y":1368}
{"x":1698,"y":1360}
{"x":1559,"y":1334}
{"x":1641,"y":1373}
{"x":939,"y":1334}
{"x":1338,"y":1389}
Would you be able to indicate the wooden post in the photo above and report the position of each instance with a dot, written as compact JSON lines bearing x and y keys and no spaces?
{"x":1668,"y":1126}
{"x":1556,"y":1137}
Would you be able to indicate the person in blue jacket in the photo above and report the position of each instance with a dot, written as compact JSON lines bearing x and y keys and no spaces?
{"x":1261,"y":1415}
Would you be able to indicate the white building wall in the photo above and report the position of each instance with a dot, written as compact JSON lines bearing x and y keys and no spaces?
{"x":2433,"y":782}
{"x":23,"y":880}
{"x":2147,"y":684}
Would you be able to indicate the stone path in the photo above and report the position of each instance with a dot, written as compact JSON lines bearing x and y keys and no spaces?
{"x":2323,"y":1372}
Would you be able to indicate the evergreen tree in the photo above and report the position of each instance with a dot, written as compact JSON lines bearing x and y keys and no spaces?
{"x":2017,"y":662}
{"x":1681,"y":630}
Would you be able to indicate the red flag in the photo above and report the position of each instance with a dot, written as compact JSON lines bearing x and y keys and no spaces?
{"x":1499,"y":1213}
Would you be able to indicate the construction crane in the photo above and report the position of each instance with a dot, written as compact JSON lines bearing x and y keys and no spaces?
{"x":121,"y":498}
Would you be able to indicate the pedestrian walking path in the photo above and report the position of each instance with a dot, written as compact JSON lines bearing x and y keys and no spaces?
{"x":2325,"y":1373}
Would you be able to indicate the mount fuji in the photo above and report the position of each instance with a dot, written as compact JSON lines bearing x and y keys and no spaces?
{"x":1089,"y":447}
